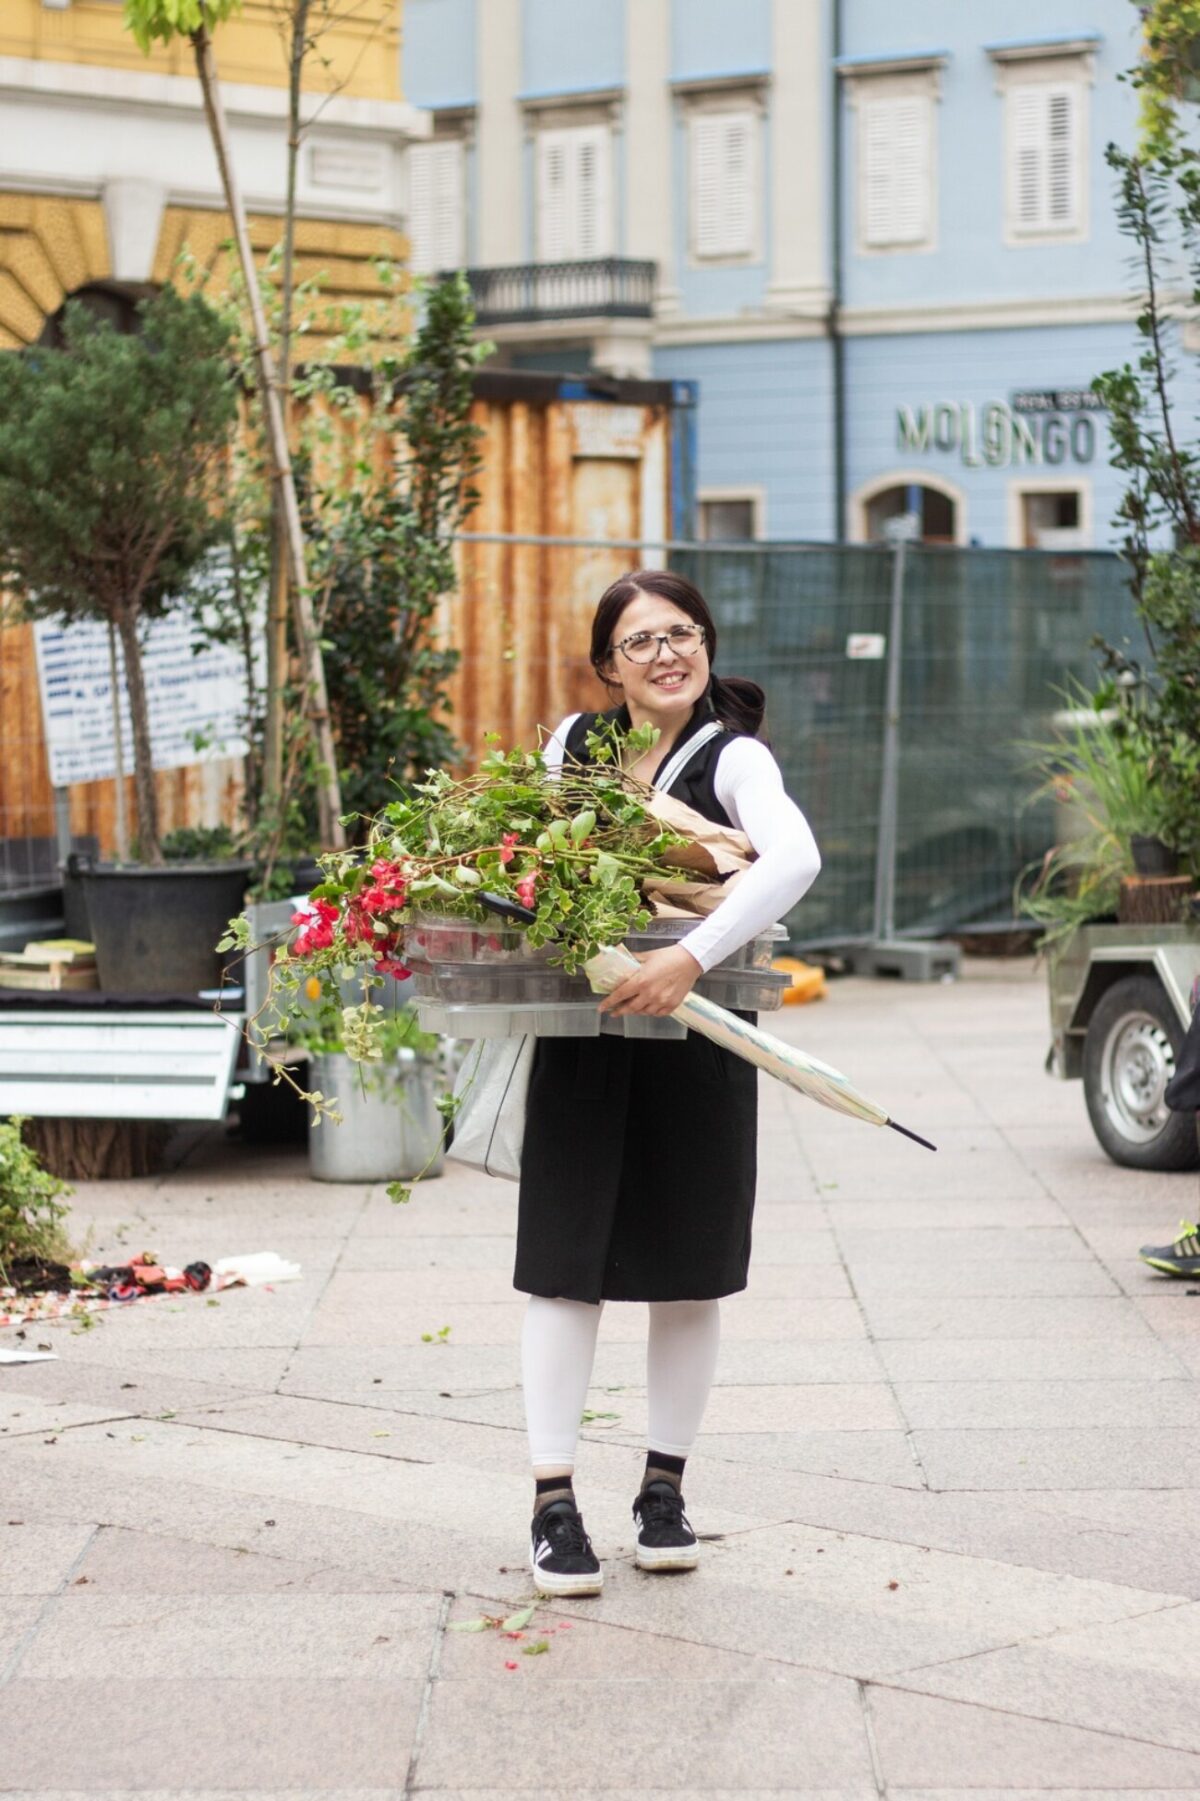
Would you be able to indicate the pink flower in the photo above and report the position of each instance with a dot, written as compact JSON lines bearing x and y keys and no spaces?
{"x":526,"y":891}
{"x":508,"y":840}
{"x":388,"y":966}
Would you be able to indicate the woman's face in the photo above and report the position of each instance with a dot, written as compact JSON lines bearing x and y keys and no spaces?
{"x":672,"y":683}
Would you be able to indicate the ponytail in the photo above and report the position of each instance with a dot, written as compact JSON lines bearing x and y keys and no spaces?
{"x":738,"y":703}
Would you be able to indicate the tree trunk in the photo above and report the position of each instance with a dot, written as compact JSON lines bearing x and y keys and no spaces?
{"x":329,"y":799}
{"x":149,"y":850}
{"x":86,"y":1150}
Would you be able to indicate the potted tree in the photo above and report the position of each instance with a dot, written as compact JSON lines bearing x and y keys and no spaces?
{"x":110,"y":455}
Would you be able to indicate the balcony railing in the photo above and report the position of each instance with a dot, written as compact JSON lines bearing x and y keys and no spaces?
{"x":611,"y":286}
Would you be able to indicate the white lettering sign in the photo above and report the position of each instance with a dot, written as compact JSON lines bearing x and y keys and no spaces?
{"x":996,"y":435}
{"x":196,"y":699}
{"x":866,"y":647}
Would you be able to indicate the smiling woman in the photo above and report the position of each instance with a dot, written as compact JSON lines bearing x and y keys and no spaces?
{"x":638,"y":1165}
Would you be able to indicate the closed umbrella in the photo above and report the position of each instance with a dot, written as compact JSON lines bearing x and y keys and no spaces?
{"x":809,"y":1075}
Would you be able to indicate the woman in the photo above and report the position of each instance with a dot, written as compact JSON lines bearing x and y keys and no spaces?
{"x":638,"y":1167}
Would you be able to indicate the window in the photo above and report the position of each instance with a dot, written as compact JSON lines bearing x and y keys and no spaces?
{"x":937,"y":511}
{"x":724,"y":156}
{"x":730,"y":518}
{"x":1050,"y":515}
{"x":1044,"y":163}
{"x":574,"y":206}
{"x":436,"y":213}
{"x":895,"y":186}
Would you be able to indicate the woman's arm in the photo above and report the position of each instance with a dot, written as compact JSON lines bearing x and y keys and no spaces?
{"x":750,"y":787}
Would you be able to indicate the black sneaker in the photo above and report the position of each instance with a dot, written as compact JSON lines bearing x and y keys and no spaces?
{"x":1179,"y":1259}
{"x":561,"y":1554}
{"x":665,"y":1540}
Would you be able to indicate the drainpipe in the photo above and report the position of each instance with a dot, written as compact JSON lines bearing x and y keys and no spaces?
{"x":837,"y":348}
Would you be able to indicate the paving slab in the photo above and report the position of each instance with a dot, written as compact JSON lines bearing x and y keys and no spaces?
{"x":926,"y":1742}
{"x":783,"y":1730}
{"x":1067,"y":1457}
{"x":286,"y":1733}
{"x":91,"y":1634}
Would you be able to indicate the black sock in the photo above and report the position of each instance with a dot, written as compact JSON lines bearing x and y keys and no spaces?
{"x":662,"y":1467}
{"x":552,"y":1488}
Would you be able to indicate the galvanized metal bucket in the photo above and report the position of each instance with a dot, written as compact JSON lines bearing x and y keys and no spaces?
{"x":391,"y":1128}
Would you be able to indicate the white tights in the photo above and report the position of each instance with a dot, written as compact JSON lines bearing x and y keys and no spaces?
{"x":558,"y":1344}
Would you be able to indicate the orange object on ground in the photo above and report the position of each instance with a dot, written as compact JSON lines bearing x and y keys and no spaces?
{"x":808,"y":981}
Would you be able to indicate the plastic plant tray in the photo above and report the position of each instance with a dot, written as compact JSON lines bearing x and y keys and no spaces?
{"x":460,"y":941}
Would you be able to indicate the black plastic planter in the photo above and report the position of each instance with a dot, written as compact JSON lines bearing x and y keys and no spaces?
{"x":156,"y":929}
{"x":1151,"y":856}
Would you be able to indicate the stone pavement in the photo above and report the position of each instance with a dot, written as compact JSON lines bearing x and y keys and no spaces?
{"x":948,"y":1478}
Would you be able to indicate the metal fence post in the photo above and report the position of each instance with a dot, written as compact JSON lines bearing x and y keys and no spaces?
{"x":889,"y":779}
{"x":887,"y":954}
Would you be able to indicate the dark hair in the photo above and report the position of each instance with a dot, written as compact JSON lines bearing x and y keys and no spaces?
{"x":738,"y":703}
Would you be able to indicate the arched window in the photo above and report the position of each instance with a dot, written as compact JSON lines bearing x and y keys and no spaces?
{"x":939,"y":505}
{"x":115,"y":301}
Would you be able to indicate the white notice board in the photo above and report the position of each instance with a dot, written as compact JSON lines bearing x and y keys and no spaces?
{"x":196,"y":699}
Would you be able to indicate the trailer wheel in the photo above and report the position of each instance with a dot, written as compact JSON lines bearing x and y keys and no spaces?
{"x":1128,"y":1058}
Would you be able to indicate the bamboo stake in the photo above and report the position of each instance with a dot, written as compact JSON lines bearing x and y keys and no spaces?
{"x":329,"y":799}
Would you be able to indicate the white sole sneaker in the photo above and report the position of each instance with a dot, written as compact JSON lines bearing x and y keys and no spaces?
{"x":549,"y":1582}
{"x":661,"y":1558}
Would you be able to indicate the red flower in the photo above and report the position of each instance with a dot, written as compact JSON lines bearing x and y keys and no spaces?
{"x":388,"y":966}
{"x":508,"y":840}
{"x":526,"y":891}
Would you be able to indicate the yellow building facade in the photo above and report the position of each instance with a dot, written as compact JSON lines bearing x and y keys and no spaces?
{"x":107,"y":172}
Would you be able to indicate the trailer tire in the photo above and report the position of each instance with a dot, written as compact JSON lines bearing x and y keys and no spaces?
{"x":1129,"y":1053}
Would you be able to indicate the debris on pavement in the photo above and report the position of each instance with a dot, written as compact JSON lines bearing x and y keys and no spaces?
{"x":38,"y":1289}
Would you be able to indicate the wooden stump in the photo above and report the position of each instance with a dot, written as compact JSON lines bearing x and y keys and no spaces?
{"x":85,"y":1150}
{"x":1154,"y":900}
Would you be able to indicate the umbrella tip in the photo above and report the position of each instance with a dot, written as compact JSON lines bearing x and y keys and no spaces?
{"x":915,"y":1136}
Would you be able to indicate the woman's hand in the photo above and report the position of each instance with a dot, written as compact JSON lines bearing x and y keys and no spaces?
{"x":658,"y":986}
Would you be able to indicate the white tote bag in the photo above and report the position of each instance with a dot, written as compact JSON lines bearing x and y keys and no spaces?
{"x":491,"y":1090}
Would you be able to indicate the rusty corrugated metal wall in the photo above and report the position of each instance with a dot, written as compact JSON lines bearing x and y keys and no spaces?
{"x":521,"y":617}
{"x":553,"y":466}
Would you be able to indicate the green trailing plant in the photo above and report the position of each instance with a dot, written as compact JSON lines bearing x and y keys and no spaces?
{"x":110,"y":452}
{"x":1097,"y":770}
{"x":31,"y":1203}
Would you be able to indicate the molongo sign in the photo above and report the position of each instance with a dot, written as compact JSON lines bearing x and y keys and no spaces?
{"x":1000,"y":435}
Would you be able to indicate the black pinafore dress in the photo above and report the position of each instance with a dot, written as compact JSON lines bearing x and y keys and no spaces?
{"x":639,"y":1162}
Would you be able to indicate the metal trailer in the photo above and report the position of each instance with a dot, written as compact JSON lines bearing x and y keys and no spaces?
{"x":181,"y":1063}
{"x":1121,"y":999}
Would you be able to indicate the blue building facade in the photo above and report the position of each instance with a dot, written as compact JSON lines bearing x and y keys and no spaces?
{"x":881,"y":240}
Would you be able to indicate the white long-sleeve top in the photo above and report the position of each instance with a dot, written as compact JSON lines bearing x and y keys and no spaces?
{"x":749,"y":785}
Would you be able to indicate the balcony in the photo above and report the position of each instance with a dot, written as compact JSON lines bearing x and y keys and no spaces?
{"x":610,"y":287}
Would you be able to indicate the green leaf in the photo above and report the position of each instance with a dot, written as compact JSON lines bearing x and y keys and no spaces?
{"x":537,"y":1649}
{"x":516,"y":1622}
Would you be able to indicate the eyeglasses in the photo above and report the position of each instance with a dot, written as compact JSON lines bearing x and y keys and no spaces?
{"x":642,"y":647}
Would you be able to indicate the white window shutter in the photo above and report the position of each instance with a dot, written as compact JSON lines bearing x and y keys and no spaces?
{"x":435,"y":206}
{"x":1027,"y":175}
{"x":552,"y":196}
{"x":574,"y":193}
{"x":896,"y":177}
{"x":706,"y":184}
{"x":1061,"y":158}
{"x":724,"y":183}
{"x":593,"y":206}
{"x":740,"y":175}
{"x":1044,"y":151}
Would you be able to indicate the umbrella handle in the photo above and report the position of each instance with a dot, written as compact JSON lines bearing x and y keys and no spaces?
{"x":915,"y":1136}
